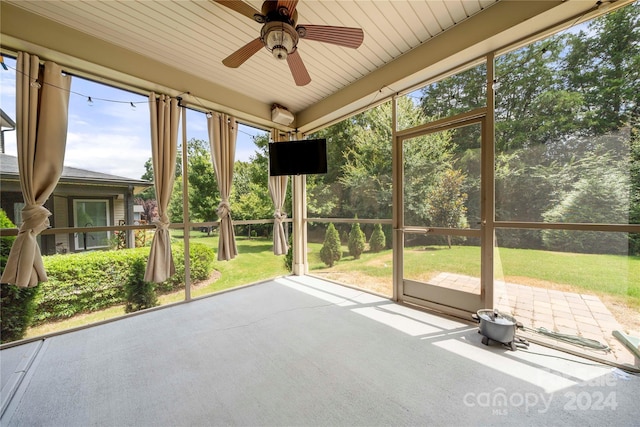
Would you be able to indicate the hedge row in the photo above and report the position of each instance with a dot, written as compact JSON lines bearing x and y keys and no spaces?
{"x":90,"y":281}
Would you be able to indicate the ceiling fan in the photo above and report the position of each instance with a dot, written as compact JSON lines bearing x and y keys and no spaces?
{"x":280,"y":35}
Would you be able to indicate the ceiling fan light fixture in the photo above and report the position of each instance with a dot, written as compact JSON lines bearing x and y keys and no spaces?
{"x":280,"y":53}
{"x":280,"y":39}
{"x":280,"y":35}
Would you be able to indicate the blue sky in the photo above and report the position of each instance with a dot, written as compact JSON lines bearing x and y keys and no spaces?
{"x":109,"y":135}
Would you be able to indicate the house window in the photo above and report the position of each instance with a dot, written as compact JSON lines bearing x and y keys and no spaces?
{"x":91,"y":213}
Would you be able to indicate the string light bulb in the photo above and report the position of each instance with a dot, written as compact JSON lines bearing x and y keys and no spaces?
{"x":209,"y":115}
{"x":90,"y":101}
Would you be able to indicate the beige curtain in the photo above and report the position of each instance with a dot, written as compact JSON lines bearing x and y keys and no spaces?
{"x":223,"y":131}
{"x":278,"y":191}
{"x":42,"y":104}
{"x":165,"y":117}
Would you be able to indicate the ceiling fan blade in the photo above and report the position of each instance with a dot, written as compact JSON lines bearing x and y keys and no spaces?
{"x":240,"y":7}
{"x":238,"y":57}
{"x":342,"y":36}
{"x":289,"y":4}
{"x":298,"y":70}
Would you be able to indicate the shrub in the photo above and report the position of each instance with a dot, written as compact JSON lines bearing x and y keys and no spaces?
{"x":85,"y":282}
{"x":202,"y":259}
{"x":377,"y":241}
{"x":331,"y":251}
{"x":16,"y":304}
{"x":16,"y":311}
{"x":92,"y":281}
{"x":356,"y":241}
{"x":139,"y":293}
{"x":6,"y":241}
{"x":201,"y":265}
{"x":288,"y":258}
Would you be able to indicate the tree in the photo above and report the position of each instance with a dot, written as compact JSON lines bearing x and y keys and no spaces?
{"x":148,"y":193}
{"x":425,"y":159}
{"x":326,"y":195}
{"x":365,"y":183}
{"x":175,"y":208}
{"x":150,"y":208}
{"x":204,"y":196}
{"x":203,"y":188}
{"x":604,"y":65}
{"x":331,"y":250}
{"x":634,"y":196}
{"x":356,"y":240}
{"x":366,"y":172}
{"x":377,"y":241}
{"x":599,"y":197}
{"x":531,"y":106}
{"x":250,"y":198}
{"x":455,"y":94}
{"x":550,"y":130}
{"x":446,"y":202}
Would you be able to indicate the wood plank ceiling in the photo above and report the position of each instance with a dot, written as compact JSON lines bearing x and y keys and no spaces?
{"x":194,"y":36}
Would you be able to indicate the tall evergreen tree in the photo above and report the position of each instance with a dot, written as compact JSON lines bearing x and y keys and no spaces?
{"x":331,"y":250}
{"x":356,"y":240}
{"x":377,"y":241}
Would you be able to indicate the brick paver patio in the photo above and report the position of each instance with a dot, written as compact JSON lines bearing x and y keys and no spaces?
{"x":563,"y":312}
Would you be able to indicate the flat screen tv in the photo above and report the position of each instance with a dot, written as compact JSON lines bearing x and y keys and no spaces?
{"x":304,"y":157}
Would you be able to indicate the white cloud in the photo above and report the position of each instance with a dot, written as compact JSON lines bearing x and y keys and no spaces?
{"x":8,"y":89}
{"x":108,"y":137}
{"x":244,"y":153}
{"x":122,"y":155}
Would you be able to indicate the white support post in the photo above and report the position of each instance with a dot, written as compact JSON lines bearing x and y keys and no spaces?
{"x":300,"y":263}
{"x":185,"y":209}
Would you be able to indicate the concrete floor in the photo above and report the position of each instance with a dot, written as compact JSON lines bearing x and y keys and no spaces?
{"x":302,"y":351}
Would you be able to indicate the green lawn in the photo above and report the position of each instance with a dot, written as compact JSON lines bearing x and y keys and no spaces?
{"x":602,"y":274}
{"x":618,"y":276}
{"x":255,"y":262}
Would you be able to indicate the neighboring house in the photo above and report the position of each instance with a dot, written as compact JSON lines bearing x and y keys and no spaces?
{"x":6,"y":125}
{"x":82,"y":198}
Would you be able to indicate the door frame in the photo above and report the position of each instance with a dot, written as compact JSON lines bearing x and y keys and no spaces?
{"x":448,"y":300}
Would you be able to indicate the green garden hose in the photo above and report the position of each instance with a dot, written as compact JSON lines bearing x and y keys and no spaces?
{"x":572,"y":339}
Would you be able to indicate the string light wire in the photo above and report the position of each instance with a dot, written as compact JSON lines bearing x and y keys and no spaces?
{"x":92,"y":99}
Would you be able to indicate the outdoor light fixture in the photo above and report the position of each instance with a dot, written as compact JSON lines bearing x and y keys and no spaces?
{"x":281,"y":115}
{"x":279,"y":38}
